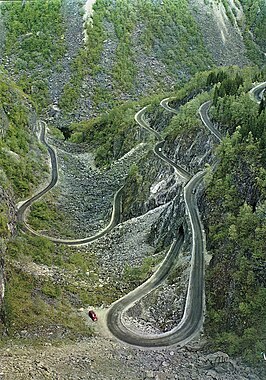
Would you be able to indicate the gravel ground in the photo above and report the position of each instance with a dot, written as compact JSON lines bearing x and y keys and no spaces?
{"x":85,"y":194}
{"x":105,"y":359}
{"x":127,"y":244}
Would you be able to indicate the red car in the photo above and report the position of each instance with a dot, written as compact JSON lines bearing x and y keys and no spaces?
{"x":92,"y":315}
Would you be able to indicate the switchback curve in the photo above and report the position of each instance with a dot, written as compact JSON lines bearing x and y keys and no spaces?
{"x":21,"y":212}
{"x":257,"y":92}
{"x":192,"y":320}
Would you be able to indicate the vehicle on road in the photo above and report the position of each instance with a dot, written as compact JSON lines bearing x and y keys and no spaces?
{"x":92,"y":315}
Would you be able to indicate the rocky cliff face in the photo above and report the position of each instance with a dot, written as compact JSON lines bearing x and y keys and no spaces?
{"x":2,"y":287}
{"x":156,"y":183}
{"x":155,"y":186}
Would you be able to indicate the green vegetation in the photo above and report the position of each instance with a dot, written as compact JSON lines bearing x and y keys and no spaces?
{"x":186,"y":121}
{"x":51,"y":297}
{"x":19,"y":152}
{"x":34,"y":43}
{"x":175,"y":273}
{"x":20,"y":167}
{"x":27,"y":310}
{"x":235,"y":216}
{"x":233,"y":107}
{"x":124,"y":18}
{"x":171,"y":33}
{"x":39,"y":249}
{"x":4,"y":233}
{"x":87,"y":61}
{"x":229,"y":11}
{"x":114,"y":133}
{"x":135,"y":276}
{"x":137,"y":186}
{"x":167,"y":32}
{"x":111,"y":135}
{"x":236,"y":193}
{"x":44,"y":215}
{"x":37,"y":295}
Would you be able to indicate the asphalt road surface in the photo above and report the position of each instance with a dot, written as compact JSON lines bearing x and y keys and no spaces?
{"x":140,"y":119}
{"x":203,"y":112}
{"x":258,"y":92}
{"x":191,"y":322}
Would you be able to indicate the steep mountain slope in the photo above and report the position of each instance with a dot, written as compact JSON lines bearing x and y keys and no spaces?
{"x":134,"y":48}
{"x":221,"y":33}
{"x":234,"y":208}
{"x":252,"y":26}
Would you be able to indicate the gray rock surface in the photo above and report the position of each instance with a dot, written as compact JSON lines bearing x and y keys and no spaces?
{"x":222,"y":38}
{"x":105,"y":359}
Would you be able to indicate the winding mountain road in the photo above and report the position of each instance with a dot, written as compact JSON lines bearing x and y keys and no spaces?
{"x":192,"y":319}
{"x":140,"y":119}
{"x":257,"y":92}
{"x":203,"y":112}
{"x":21,"y":212}
{"x":191,"y":322}
{"x":165,"y":104}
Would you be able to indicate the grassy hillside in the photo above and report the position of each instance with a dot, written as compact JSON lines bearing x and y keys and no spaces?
{"x":31,"y":304}
{"x":19,"y":152}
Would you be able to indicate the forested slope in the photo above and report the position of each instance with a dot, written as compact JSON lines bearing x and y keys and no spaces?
{"x":236,"y":222}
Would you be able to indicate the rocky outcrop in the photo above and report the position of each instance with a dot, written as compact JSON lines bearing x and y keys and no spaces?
{"x":3,"y":122}
{"x":73,"y":37}
{"x":156,"y":183}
